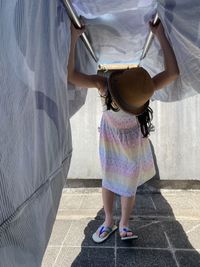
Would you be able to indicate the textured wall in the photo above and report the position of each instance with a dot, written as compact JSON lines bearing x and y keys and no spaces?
{"x":175,"y":141}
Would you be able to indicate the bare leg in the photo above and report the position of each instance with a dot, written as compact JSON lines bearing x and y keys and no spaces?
{"x":127,"y":204}
{"x":108,"y":200}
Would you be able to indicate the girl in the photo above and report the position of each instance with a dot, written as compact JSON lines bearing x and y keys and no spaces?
{"x":125,"y":152}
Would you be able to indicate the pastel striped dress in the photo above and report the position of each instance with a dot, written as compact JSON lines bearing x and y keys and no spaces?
{"x":126,"y":157}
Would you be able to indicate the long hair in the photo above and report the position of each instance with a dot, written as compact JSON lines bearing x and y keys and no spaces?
{"x":110,"y":104}
{"x":145,"y":121}
{"x":144,"y":118}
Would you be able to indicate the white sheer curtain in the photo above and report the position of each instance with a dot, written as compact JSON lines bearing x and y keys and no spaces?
{"x":118,"y":31}
{"x":35,"y":135}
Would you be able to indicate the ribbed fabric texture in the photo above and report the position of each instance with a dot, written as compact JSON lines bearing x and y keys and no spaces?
{"x":35,"y":138}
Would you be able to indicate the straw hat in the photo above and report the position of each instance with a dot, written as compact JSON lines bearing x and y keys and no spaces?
{"x":131,"y":89}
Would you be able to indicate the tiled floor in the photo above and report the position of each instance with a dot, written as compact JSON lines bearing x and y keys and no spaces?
{"x":168,"y":226}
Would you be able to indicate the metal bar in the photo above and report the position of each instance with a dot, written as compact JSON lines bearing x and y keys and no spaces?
{"x":76,"y":21}
{"x":149,"y":39}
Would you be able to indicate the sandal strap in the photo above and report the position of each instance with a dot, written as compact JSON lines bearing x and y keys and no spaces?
{"x":125,"y":229}
{"x":104,"y":229}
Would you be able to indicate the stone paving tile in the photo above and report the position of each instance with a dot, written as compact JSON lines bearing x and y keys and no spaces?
{"x":83,"y":190}
{"x":86,"y":257}
{"x":60,"y":229}
{"x":174,"y":205}
{"x":183,"y":234}
{"x":143,"y":205}
{"x":156,"y":232}
{"x":80,"y":214}
{"x":144,"y":258}
{"x":81,"y":232}
{"x":194,"y":199}
{"x":188,"y":258}
{"x":70,"y":201}
{"x":150,"y":234}
{"x":162,"y":205}
{"x":92,"y":202}
{"x":50,"y":256}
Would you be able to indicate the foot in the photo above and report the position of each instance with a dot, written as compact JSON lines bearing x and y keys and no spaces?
{"x":100,"y":231}
{"x":126,"y":233}
{"x":103,"y":233}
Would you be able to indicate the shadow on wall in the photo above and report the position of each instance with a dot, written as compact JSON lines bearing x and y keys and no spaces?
{"x":163,"y":240}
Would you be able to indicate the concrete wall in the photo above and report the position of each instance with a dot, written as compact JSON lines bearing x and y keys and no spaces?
{"x":176,"y":140}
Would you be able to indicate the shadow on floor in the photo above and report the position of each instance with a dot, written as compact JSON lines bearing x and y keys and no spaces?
{"x":163,"y":239}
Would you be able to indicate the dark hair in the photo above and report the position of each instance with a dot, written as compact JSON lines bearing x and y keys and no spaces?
{"x":145,"y":121}
{"x":110,"y":105}
{"x":144,"y":118}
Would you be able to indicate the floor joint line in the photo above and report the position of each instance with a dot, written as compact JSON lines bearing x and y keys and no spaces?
{"x":62,"y":245}
{"x":171,"y":249}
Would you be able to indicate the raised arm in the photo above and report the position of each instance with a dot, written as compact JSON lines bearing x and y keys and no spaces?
{"x":171,"y":71}
{"x":78,"y":78}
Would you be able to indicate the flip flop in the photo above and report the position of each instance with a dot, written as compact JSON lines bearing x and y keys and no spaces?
{"x":127,"y":230}
{"x":103,"y":229}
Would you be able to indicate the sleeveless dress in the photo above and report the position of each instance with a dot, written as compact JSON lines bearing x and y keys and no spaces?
{"x":125,"y":156}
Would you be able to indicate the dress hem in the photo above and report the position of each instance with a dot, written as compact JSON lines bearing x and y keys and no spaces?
{"x":119,"y":193}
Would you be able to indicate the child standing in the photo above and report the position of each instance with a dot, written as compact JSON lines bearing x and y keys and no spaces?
{"x":125,"y":152}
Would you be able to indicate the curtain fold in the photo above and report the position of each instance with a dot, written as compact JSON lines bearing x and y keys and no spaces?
{"x":118,"y":30}
{"x":36,"y":104}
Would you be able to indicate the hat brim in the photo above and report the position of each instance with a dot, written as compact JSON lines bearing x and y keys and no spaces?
{"x":119,"y":101}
